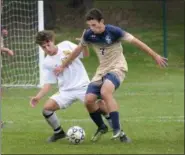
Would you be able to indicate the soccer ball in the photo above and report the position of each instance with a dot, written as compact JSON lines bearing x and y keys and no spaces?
{"x":76,"y":135}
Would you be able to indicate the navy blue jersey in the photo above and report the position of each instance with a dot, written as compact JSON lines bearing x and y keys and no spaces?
{"x":108,"y":48}
{"x":111,"y":35}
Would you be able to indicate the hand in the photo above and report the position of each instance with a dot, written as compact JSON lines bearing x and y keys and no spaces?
{"x":34,"y":101}
{"x":58,"y":70}
{"x":10,"y":52}
{"x":4,"y":32}
{"x":161,"y":61}
{"x":79,"y":39}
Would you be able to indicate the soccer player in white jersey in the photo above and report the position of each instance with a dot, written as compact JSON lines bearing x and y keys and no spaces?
{"x":72,"y":83}
{"x":106,"y":40}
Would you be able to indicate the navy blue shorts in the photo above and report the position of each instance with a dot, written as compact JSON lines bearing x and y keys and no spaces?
{"x":95,"y":89}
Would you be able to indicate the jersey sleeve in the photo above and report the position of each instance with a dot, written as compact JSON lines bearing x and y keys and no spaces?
{"x":49,"y":76}
{"x":127,"y":37}
{"x":118,"y":33}
{"x":72,"y":46}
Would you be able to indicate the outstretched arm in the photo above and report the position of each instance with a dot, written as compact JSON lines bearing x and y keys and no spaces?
{"x":43,"y":91}
{"x":161,"y":61}
{"x":74,"y":54}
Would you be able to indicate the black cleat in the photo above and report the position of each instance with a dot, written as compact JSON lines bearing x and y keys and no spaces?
{"x":125,"y":139}
{"x":99,"y":132}
{"x":120,"y":134}
{"x":57,"y":136}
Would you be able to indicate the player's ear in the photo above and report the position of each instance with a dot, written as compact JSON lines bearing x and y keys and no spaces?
{"x":102,"y":21}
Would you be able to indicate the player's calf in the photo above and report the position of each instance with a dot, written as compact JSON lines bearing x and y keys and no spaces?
{"x":53,"y":121}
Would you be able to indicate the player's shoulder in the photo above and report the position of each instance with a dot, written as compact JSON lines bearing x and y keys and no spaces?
{"x":113,"y":28}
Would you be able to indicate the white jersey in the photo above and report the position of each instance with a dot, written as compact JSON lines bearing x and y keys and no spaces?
{"x":73,"y":77}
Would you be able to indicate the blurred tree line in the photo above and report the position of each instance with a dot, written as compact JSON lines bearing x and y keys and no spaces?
{"x":70,"y":13}
{"x":50,"y":9}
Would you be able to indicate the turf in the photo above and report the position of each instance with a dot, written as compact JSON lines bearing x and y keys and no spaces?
{"x":151,"y":104}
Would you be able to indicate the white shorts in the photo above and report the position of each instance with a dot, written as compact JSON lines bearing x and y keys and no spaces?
{"x":66,"y":98}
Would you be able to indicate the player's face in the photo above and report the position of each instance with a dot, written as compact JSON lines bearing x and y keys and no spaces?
{"x":96,"y":26}
{"x":49,"y":48}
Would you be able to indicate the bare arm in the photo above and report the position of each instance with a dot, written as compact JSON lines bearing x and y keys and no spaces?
{"x":144,"y":47}
{"x":75,"y":53}
{"x":73,"y":56}
{"x":85,"y":51}
{"x":161,"y":61}
{"x":43,"y":91}
{"x":7,"y":50}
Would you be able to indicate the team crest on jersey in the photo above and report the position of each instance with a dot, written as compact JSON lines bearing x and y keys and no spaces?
{"x":66,"y":52}
{"x":108,"y":39}
{"x":93,"y":36}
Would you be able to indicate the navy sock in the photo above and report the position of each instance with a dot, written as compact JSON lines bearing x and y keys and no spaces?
{"x":115,"y":120}
{"x":96,"y":117}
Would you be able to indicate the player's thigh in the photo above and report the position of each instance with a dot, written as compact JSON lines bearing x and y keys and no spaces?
{"x":82,"y":96}
{"x":110,"y":83}
{"x":63,"y":99}
{"x":92,"y":93}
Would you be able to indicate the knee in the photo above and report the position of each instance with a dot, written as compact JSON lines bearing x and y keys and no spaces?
{"x":48,"y":110}
{"x":89,"y":100}
{"x":46,"y":113}
{"x":51,"y":105}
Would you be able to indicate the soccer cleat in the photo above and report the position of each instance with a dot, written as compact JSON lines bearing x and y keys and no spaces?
{"x":99,"y":132}
{"x":117,"y":134}
{"x":120,"y":134}
{"x":125,"y":139}
{"x":57,"y":136}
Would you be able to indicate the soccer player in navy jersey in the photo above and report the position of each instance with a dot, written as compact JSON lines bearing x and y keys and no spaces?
{"x":106,"y":40}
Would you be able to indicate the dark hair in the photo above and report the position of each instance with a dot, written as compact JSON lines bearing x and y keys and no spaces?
{"x":44,"y":36}
{"x":94,"y":14}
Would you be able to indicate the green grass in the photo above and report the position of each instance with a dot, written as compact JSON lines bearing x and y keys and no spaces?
{"x":151,"y":104}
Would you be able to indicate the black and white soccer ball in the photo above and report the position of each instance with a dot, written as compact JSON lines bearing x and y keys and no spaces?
{"x":76,"y":135}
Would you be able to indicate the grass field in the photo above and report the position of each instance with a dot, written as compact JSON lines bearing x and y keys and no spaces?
{"x":151,"y":107}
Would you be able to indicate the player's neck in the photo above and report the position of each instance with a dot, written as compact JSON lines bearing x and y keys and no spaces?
{"x":55,"y":51}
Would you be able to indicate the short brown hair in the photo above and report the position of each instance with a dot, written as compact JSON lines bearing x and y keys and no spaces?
{"x":94,"y":14}
{"x":44,"y":36}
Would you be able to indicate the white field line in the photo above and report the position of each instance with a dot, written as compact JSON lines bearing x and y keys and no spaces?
{"x":117,"y":95}
{"x":132,"y":119}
